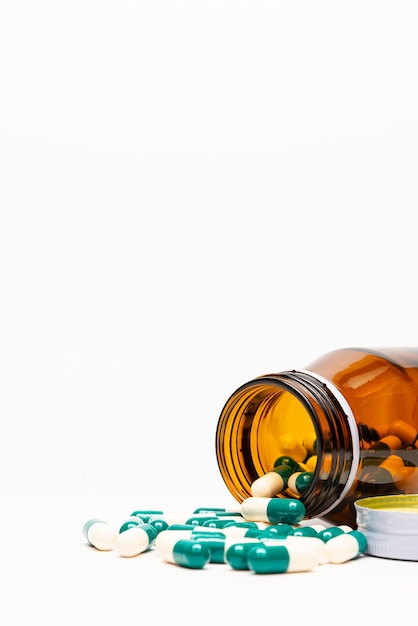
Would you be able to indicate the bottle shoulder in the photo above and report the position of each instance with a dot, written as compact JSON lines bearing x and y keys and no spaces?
{"x":346,"y":362}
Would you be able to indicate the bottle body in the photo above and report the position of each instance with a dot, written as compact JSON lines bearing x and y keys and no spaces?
{"x":349,"y":420}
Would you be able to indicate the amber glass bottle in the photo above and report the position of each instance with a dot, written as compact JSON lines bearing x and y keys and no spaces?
{"x":349,"y":421}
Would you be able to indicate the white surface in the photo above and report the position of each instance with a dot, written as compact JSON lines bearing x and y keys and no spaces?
{"x":192,"y":194}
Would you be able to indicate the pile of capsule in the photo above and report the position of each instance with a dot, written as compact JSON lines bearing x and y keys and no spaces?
{"x":264,"y":536}
{"x":390,"y":456}
{"x":387,"y":457}
{"x":288,"y":471}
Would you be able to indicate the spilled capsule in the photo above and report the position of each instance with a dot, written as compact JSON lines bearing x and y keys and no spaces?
{"x":346,"y":546}
{"x":299,"y":481}
{"x":277,"y":559}
{"x":135,"y":540}
{"x":275,"y":510}
{"x":99,"y":534}
{"x":236,"y":555}
{"x":272,"y":483}
{"x":300,"y":541}
{"x":189,"y":553}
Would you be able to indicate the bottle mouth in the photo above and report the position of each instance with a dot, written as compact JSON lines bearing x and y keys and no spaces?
{"x":296,"y":414}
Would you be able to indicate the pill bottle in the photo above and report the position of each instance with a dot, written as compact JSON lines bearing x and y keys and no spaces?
{"x":349,"y":421}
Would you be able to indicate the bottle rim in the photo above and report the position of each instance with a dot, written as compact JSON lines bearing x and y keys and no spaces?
{"x":354,"y":433}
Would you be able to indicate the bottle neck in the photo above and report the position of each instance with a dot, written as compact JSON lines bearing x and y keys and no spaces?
{"x":337,"y":441}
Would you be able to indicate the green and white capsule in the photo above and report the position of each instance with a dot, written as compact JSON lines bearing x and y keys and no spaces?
{"x":129,"y":523}
{"x":299,"y":482}
{"x":215,"y":544}
{"x":346,"y":546}
{"x":277,"y":559}
{"x":99,"y":534}
{"x":165,"y":540}
{"x":135,"y":540}
{"x":272,"y":483}
{"x":220,"y":546}
{"x":273,"y":510}
{"x":236,"y":554}
{"x":188,"y":553}
{"x":329,"y":533}
{"x":299,"y":541}
{"x":159,"y":522}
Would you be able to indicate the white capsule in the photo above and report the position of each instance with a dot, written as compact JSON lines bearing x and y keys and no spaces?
{"x":99,"y":534}
{"x":345,"y":547}
{"x":317,"y":527}
{"x":166,"y":539}
{"x":268,"y":486}
{"x":135,"y":540}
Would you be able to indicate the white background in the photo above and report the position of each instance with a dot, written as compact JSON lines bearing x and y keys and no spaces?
{"x":192,"y":194}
